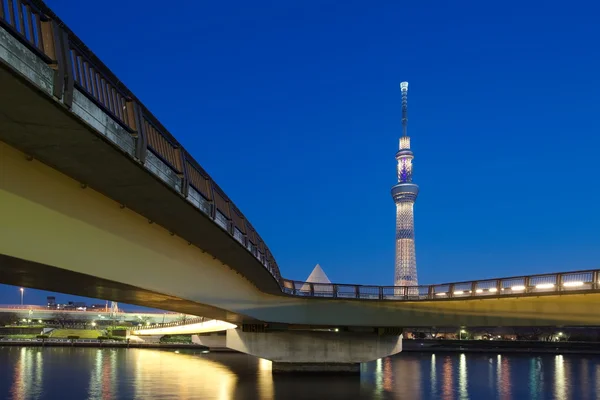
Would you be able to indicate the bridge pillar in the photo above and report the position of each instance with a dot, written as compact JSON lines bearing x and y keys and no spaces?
{"x":314,"y":351}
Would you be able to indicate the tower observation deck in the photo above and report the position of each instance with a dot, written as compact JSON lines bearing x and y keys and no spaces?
{"x":404,"y":194}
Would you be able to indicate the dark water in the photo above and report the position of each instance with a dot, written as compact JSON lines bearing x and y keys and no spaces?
{"x":80,"y":373}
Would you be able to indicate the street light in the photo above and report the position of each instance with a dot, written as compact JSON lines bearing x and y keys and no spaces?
{"x":22,"y":290}
{"x":460,"y":334}
{"x":93,"y":324}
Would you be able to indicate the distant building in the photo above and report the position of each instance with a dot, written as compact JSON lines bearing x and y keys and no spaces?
{"x":321,"y":283}
{"x":51,"y":302}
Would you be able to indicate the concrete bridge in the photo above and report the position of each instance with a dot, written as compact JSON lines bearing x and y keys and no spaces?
{"x":100,"y":200}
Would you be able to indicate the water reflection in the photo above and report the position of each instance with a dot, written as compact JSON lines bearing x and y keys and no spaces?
{"x":433,"y":376}
{"x":180,"y":375}
{"x":447,"y":384}
{"x":27,"y":374}
{"x":560,"y":387}
{"x":113,"y":374}
{"x":102,"y":377}
{"x":265,"y":379}
{"x":462,"y":377}
{"x":503,"y":377}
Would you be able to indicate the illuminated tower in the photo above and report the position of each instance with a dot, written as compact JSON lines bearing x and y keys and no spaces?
{"x":405,"y":193}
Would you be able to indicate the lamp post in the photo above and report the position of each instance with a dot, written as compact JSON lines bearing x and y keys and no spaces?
{"x":22,"y":291}
{"x":460,"y":333}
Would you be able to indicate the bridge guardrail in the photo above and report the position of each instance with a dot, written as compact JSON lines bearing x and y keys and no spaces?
{"x":76,"y":67}
{"x":188,"y":321}
{"x":533,"y":285}
{"x":33,"y":24}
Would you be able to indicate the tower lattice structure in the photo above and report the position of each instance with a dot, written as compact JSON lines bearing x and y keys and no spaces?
{"x":404,"y":194}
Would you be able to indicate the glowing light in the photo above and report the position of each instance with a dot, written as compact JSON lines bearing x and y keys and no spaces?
{"x":441,"y":294}
{"x":405,"y":263}
{"x":560,"y":333}
{"x":479,"y":291}
{"x":573,"y":284}
{"x":93,"y":324}
{"x":404,"y":143}
{"x":403,"y":86}
{"x":544,"y":286}
{"x":463,"y":331}
{"x":39,"y":321}
{"x":493,"y":290}
{"x":458,"y":292}
{"x":517,"y":288}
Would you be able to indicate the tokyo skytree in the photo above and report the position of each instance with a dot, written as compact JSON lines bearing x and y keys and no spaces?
{"x":404,"y":194}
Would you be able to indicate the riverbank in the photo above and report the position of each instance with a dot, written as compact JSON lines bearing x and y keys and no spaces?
{"x":408,"y":346}
{"x":500,"y":346}
{"x":102,"y":344}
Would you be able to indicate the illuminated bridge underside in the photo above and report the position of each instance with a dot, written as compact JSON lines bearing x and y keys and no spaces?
{"x":58,"y":236}
{"x":201,"y":327}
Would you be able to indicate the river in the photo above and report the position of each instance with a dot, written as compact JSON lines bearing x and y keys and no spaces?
{"x":64,"y":373}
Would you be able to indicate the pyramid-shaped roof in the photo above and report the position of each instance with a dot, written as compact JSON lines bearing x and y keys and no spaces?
{"x":318,"y":276}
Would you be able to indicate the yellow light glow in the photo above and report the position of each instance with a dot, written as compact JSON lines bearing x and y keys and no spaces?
{"x":573,"y":284}
{"x":493,"y":289}
{"x":544,"y":286}
{"x":479,"y":291}
{"x":457,"y":292}
{"x":440,"y":294}
{"x":517,"y":288}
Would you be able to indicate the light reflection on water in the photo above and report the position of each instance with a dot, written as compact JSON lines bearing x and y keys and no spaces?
{"x":112,"y":374}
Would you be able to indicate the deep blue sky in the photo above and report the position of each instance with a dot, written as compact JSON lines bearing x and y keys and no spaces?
{"x":294,"y":108}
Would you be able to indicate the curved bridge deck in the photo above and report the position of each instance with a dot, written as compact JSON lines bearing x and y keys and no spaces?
{"x":154,"y":229}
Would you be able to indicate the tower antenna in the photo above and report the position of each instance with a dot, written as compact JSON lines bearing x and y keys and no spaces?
{"x":404,"y":90}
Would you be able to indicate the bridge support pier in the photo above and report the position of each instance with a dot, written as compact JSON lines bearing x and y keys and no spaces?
{"x":314,"y":351}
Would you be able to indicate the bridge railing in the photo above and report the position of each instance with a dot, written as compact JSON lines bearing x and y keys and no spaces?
{"x":187,"y":321}
{"x":145,"y":139}
{"x":531,"y":285}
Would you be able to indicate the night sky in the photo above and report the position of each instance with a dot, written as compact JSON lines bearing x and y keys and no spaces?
{"x":293,"y":107}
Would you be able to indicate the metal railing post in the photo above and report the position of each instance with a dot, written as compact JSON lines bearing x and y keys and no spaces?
{"x":559,"y":282}
{"x":430,"y":292}
{"x":357,"y":291}
{"x":526,"y":283}
{"x":185,"y":180}
{"x":473,"y":288}
{"x":141,"y":140}
{"x":335,"y":291}
{"x":595,"y":278}
{"x":451,"y":290}
{"x":380,"y":293}
{"x":498,"y":287}
{"x":312,"y":289}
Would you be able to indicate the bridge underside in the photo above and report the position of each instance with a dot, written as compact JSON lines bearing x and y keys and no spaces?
{"x":55,"y":234}
{"x":19,"y":272}
{"x":58,"y":236}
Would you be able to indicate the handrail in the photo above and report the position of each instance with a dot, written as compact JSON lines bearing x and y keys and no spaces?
{"x":33,"y":24}
{"x":188,"y":321}
{"x":529,"y":285}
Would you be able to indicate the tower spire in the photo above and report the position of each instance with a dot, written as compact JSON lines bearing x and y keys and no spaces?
{"x":404,"y":91}
{"x":404,"y":194}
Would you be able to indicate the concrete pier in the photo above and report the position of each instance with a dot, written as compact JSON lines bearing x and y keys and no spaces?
{"x":314,"y":351}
